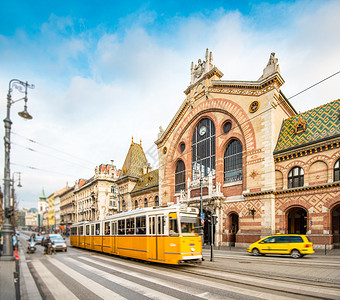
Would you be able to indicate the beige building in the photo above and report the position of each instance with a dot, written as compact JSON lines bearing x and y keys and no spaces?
{"x":94,"y":197}
{"x":67,"y":208}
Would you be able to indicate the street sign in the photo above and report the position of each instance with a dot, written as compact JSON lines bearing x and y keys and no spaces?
{"x":202,"y":216}
{"x":202,"y":221}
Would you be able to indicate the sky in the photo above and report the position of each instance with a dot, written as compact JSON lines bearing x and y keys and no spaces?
{"x":107,"y":71}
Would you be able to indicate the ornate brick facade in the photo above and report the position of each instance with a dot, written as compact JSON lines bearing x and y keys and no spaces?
{"x":262,"y":194}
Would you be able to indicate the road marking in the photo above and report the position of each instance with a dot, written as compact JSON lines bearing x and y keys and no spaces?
{"x":184,"y":279}
{"x":55,"y":286}
{"x":95,"y":287}
{"x":153,"y":294}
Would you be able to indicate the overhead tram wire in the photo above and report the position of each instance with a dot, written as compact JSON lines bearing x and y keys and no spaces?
{"x":314,"y":85}
{"x":37,"y":151}
{"x":54,"y":149}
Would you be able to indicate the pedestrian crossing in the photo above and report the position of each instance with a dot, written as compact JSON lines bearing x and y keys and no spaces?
{"x":92,"y":276}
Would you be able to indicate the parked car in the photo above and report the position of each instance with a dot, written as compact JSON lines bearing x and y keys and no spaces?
{"x":58,"y":242}
{"x":295,"y":245}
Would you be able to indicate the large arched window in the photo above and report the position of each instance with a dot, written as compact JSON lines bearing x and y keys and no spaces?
{"x":180,"y":176}
{"x":203,"y":149}
{"x":145,"y":202}
{"x":337,"y":170}
{"x":295,"y":177}
{"x":233,"y":162}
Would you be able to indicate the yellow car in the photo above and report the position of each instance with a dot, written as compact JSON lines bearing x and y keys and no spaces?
{"x":295,"y":245}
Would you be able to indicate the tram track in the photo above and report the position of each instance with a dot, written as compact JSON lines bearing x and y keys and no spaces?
{"x":297,"y":286}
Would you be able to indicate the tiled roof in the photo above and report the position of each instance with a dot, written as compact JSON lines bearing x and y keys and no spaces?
{"x":320,"y":123}
{"x":147,"y":181}
{"x":134,"y":162}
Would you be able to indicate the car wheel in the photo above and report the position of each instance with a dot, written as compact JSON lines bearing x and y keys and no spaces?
{"x":295,"y":253}
{"x":256,"y":252}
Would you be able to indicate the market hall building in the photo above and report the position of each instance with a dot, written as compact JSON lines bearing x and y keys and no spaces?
{"x":264,"y":168}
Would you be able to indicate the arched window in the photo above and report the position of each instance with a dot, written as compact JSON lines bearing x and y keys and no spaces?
{"x":123,"y":205}
{"x":156,"y":201}
{"x":295,"y":177}
{"x":145,"y":202}
{"x":203,"y":149}
{"x":136,"y":204}
{"x":180,"y":176}
{"x":337,"y":170}
{"x":233,"y":162}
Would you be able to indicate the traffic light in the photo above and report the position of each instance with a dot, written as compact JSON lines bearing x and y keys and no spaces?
{"x":209,"y":219}
{"x":214,"y":219}
{"x":8,"y":212}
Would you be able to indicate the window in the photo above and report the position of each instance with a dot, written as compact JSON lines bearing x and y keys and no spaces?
{"x":203,"y":149}
{"x":112,"y":189}
{"x":337,"y":171}
{"x":182,"y":147}
{"x":136,"y":204}
{"x":295,"y":177}
{"x":123,"y":205}
{"x":145,"y":202}
{"x":121,"y":227}
{"x":98,"y":229}
{"x":180,"y":176}
{"x":156,"y":201}
{"x":92,"y":229}
{"x":130,"y":226}
{"x":227,"y":127}
{"x":161,"y":224}
{"x":87,"y":230}
{"x":107,"y":228}
{"x":233,"y":162}
{"x":81,"y":230}
{"x":140,"y":225}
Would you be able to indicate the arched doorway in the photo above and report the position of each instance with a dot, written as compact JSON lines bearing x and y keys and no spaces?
{"x":233,"y":228}
{"x":297,"y":220}
{"x":336,"y":225}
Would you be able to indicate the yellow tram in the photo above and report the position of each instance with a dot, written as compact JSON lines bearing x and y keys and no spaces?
{"x":164,"y":234}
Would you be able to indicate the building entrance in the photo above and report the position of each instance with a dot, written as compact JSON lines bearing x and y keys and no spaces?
{"x":233,"y":229}
{"x":336,"y":225}
{"x":297,"y":220}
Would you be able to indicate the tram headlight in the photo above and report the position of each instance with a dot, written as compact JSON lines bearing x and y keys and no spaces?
{"x":192,"y":249}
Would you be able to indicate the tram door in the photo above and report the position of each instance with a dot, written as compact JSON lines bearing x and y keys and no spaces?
{"x":114,"y":233}
{"x":156,"y":231}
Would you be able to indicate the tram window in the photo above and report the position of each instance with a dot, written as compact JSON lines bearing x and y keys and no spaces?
{"x":121,"y":227}
{"x":92,"y":229}
{"x":130,"y":226}
{"x":140,"y":225}
{"x":87,"y":230}
{"x":74,"y":231}
{"x":152,"y":227}
{"x":173,"y":228}
{"x":161,"y":224}
{"x":188,"y":225}
{"x":107,"y":228}
{"x":81,"y":230}
{"x":98,"y":229}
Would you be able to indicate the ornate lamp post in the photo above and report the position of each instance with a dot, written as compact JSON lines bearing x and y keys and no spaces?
{"x":7,"y":228}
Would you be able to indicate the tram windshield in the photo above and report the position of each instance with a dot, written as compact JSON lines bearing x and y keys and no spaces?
{"x":189,"y":225}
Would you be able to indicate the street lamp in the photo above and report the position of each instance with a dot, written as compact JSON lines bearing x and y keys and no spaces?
{"x":13,"y":202}
{"x":7,"y":227}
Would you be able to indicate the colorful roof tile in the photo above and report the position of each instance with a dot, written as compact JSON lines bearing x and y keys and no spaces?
{"x":147,"y":181}
{"x":134,"y":162}
{"x":310,"y":127}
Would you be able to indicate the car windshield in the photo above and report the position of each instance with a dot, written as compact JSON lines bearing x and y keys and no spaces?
{"x":57,"y":239}
{"x":38,"y":237}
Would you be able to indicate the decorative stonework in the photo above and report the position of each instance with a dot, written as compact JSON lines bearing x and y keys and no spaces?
{"x":202,"y":67}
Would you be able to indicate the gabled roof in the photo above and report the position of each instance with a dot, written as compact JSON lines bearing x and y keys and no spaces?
{"x":313,"y":126}
{"x":134,"y":162}
{"x":146,"y":181}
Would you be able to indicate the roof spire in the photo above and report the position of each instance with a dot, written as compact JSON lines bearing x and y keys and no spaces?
{"x":132,"y":140}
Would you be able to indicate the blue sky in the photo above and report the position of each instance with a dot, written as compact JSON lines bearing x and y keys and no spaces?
{"x":106,"y":71}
